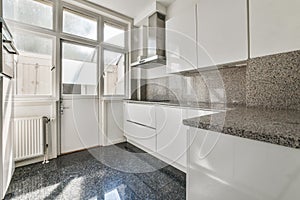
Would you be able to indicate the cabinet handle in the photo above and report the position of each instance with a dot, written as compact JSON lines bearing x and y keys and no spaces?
{"x":140,"y":124}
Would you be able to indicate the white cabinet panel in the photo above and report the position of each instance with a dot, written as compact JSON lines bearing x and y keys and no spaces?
{"x":181,"y":41}
{"x":274,"y":26}
{"x":140,"y":113}
{"x":171,"y":134}
{"x":222,"y":32}
{"x":229,"y":167}
{"x":140,"y":135}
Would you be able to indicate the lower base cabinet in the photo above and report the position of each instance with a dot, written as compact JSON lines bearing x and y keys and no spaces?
{"x":229,"y":167}
{"x":171,"y":134}
{"x":167,"y":140}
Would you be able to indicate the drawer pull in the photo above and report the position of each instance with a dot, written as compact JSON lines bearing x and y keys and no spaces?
{"x":140,"y":124}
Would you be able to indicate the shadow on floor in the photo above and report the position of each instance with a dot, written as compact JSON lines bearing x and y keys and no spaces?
{"x":98,"y":174}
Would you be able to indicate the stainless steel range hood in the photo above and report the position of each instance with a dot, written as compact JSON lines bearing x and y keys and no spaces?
{"x":156,"y":54}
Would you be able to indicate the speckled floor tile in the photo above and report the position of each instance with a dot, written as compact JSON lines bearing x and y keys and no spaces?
{"x":83,"y":175}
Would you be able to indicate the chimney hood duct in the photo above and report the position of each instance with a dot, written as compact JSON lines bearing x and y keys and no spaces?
{"x":156,"y":54}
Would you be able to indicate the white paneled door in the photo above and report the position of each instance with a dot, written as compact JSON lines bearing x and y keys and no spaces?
{"x":79,"y":98}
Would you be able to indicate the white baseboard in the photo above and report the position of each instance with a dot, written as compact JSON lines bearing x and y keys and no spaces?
{"x":33,"y":160}
{"x":115,"y":141}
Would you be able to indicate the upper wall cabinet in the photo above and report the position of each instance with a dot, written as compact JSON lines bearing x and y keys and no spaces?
{"x":222,"y":32}
{"x":274,"y":26}
{"x":181,"y":41}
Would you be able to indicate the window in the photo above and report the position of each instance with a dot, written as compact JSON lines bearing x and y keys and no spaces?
{"x":80,"y":25}
{"x":34,"y":65}
{"x":114,"y":35}
{"x":79,"y":69}
{"x":33,"y":12}
{"x":114,"y":73}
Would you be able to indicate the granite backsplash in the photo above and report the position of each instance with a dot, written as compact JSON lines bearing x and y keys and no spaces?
{"x":274,"y":81}
{"x":270,"y":81}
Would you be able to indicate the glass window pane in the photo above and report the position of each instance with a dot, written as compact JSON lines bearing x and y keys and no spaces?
{"x":33,"y":71}
{"x":114,"y":35}
{"x":114,"y":73}
{"x":33,"y":12}
{"x":79,"y":69}
{"x":80,"y":25}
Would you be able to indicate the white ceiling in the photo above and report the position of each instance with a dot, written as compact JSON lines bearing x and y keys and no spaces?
{"x":130,"y":8}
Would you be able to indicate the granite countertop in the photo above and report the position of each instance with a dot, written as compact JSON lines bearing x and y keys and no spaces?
{"x":280,"y":127}
{"x":187,"y":104}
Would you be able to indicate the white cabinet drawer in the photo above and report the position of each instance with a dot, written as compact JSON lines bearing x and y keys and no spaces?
{"x":140,"y":113}
{"x":140,"y":135}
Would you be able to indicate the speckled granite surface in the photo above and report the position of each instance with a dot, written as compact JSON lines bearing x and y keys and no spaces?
{"x":223,"y":85}
{"x":271,"y":81}
{"x":274,"y":81}
{"x":82,"y":175}
{"x":280,"y":127}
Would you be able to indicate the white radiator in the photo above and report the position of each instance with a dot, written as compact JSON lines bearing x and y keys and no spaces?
{"x":28,"y":137}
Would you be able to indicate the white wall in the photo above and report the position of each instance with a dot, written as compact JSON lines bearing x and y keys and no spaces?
{"x":113,"y":122}
{"x":39,"y":108}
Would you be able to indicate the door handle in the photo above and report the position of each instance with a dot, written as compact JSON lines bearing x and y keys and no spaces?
{"x":12,"y":46}
{"x":62,"y":108}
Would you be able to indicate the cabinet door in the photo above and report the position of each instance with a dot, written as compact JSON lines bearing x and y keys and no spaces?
{"x":274,"y":26}
{"x":231,"y":167}
{"x":181,"y":41}
{"x":171,"y":134}
{"x":222,"y":32}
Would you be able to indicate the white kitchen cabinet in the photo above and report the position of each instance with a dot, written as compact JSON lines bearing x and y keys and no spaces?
{"x":159,"y":130}
{"x":139,"y":125}
{"x":140,"y":113}
{"x":229,"y":167}
{"x":221,"y":32}
{"x":181,"y":41}
{"x":172,"y":134}
{"x":274,"y":26}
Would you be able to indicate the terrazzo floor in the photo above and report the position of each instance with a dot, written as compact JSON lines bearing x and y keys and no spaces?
{"x":115,"y":172}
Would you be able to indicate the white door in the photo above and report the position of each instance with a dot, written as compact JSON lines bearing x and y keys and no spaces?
{"x":79,"y":97}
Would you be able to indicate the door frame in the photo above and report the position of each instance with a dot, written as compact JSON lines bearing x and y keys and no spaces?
{"x":59,"y":102}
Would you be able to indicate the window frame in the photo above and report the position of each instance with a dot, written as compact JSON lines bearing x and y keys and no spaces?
{"x":117,"y":49}
{"x":53,"y":75}
{"x":102,"y":15}
{"x":80,"y":12}
{"x":31,"y":26}
{"x":61,"y":68}
{"x":117,"y":25}
{"x":111,"y":49}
